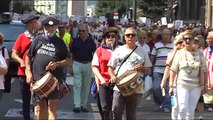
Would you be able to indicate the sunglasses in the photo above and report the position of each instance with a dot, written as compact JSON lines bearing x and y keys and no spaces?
{"x":61,"y":27}
{"x":180,"y":42}
{"x":132,"y":35}
{"x":110,"y":36}
{"x":82,"y":31}
{"x":188,"y":39}
{"x":142,"y":37}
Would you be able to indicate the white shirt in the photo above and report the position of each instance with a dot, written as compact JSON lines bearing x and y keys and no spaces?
{"x":4,"y":65}
{"x":139,"y":56}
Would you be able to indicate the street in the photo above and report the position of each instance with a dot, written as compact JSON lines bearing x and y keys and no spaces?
{"x":11,"y":106}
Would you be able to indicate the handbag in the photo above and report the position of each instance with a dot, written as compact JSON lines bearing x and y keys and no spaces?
{"x":64,"y":89}
{"x":124,"y":60}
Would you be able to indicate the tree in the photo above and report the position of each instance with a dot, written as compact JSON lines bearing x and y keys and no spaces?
{"x":104,"y":7}
{"x":153,"y":9}
{"x":150,"y":8}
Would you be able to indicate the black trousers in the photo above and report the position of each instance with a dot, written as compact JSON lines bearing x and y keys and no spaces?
{"x":105,"y":95}
{"x":129,"y":103}
{"x":26,"y":97}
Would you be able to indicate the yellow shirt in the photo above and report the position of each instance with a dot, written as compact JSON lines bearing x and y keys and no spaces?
{"x":67,"y":38}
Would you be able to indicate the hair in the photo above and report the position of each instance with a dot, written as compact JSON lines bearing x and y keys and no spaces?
{"x":177,"y":39}
{"x":83,"y":24}
{"x":1,"y":38}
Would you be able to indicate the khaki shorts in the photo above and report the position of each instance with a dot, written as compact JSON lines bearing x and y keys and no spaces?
{"x":208,"y":97}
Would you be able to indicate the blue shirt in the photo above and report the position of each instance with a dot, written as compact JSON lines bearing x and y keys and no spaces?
{"x":83,"y":50}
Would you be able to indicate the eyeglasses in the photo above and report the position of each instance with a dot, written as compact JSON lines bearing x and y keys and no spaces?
{"x":132,"y":35}
{"x":142,"y":37}
{"x":81,"y":30}
{"x":61,"y":27}
{"x":110,"y":36}
{"x":188,"y":39}
{"x":180,"y":42}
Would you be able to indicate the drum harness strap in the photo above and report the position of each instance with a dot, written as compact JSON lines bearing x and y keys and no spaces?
{"x":124,"y":60}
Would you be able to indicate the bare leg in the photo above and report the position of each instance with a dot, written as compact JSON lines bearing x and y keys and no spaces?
{"x":52,"y":109}
{"x":42,"y":111}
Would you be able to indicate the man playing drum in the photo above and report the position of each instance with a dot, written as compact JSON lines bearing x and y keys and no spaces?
{"x":47,"y":53}
{"x":138,"y":61}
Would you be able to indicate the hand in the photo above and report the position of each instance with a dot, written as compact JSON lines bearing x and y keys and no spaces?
{"x":113,"y":79}
{"x":103,"y":82}
{"x":138,"y":67}
{"x":29,"y":76}
{"x":163,"y":84}
{"x":170,"y":91}
{"x":51,"y":66}
{"x":22,"y":64}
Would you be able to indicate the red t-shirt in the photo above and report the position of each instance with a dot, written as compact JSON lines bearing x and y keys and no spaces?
{"x":22,"y":42}
{"x":101,"y":60}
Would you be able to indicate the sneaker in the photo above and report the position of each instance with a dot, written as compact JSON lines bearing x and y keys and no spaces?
{"x":84,"y":109}
{"x":166,"y":110}
{"x":157,"y":108}
{"x":76,"y":109}
{"x":200,"y":118}
{"x":210,"y":109}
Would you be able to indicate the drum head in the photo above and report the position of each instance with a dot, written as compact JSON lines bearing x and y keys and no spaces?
{"x":127,"y":78}
{"x":40,"y":82}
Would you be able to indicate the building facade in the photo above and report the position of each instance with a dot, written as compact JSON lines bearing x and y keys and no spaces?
{"x":77,"y":8}
{"x":191,"y":10}
{"x":209,"y":14}
{"x":45,"y":6}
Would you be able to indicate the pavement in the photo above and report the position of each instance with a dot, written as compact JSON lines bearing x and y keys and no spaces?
{"x":10,"y":107}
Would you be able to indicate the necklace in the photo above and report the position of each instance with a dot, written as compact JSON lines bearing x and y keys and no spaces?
{"x":189,"y":67}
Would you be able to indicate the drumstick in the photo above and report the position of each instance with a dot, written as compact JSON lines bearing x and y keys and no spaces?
{"x":163,"y":92}
{"x":111,"y":44}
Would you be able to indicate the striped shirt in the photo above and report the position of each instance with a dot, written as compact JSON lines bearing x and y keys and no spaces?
{"x":209,"y":60}
{"x":160,"y":51}
{"x":181,"y":65}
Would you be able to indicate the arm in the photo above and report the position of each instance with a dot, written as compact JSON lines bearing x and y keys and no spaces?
{"x":16,"y":57}
{"x":98,"y":75}
{"x":112,"y":74}
{"x":28,"y":72}
{"x":3,"y":67}
{"x":165,"y":77}
{"x":63,"y":63}
{"x":171,"y":81}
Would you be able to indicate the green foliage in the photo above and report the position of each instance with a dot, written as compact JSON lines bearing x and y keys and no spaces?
{"x":151,"y":8}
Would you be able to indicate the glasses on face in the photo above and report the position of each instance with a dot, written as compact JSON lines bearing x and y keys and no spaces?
{"x":61,"y":27}
{"x":81,"y":30}
{"x":166,"y":34}
{"x":209,"y":38}
{"x":188,"y":39}
{"x":180,"y":42}
{"x":110,"y":36}
{"x":142,"y":37}
{"x":130,"y":35}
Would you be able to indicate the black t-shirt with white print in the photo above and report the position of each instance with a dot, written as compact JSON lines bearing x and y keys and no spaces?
{"x":44,"y":50}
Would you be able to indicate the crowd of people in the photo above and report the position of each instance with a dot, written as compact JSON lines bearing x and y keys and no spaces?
{"x":179,"y":63}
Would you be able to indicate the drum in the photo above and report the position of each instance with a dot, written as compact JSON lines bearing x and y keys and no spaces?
{"x":128,"y":83}
{"x":45,"y":85}
{"x":63,"y":89}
